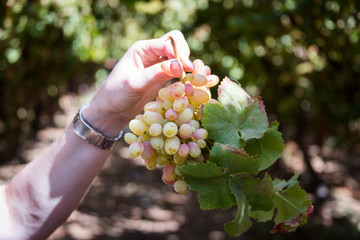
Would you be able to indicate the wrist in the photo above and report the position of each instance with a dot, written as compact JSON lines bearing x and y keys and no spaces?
{"x":109,"y":124}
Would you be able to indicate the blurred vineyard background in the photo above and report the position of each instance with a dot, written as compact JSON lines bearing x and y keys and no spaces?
{"x":302,"y":57}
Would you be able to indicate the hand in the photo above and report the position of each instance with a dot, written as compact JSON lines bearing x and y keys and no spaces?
{"x":135,"y":80}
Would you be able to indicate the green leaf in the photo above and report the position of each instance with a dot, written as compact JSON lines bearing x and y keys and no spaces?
{"x":291,"y":205}
{"x":260,"y":193}
{"x":290,"y":200}
{"x":220,"y":125}
{"x":236,"y":120}
{"x":255,"y":121}
{"x":234,"y":160}
{"x":241,"y":223}
{"x":292,"y":225}
{"x":280,"y":184}
{"x":268,"y":148}
{"x":211,"y":184}
{"x":262,"y":216}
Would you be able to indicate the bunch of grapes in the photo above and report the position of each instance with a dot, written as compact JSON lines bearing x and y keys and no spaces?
{"x":169,"y":133}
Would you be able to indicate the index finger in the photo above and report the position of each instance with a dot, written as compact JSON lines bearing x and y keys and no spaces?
{"x":182,"y":46}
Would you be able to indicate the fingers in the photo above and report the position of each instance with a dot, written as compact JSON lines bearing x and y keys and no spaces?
{"x":150,"y":52}
{"x":164,"y":71}
{"x":172,"y":68}
{"x":182,"y":46}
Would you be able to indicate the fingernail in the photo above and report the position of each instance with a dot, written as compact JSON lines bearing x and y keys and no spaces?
{"x":175,"y":68}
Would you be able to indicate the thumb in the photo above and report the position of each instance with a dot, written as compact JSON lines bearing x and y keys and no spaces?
{"x":163,"y":71}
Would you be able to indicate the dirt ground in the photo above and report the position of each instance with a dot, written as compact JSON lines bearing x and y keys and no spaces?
{"x":128,"y":202}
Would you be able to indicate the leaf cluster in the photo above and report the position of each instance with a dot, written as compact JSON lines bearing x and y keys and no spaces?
{"x":244,"y":146}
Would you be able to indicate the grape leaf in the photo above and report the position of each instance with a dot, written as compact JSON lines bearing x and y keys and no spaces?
{"x":291,"y":204}
{"x":290,"y":200}
{"x":234,"y":160}
{"x":211,"y":184}
{"x":268,"y":148}
{"x":260,"y":193}
{"x":230,"y":126}
{"x":262,"y":216}
{"x":255,"y":121}
{"x":241,"y":223}
{"x":282,"y":184}
{"x":220,"y":125}
{"x":232,"y":95}
{"x":291,"y":226}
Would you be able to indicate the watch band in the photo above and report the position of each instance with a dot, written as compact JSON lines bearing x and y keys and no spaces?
{"x":90,"y":135}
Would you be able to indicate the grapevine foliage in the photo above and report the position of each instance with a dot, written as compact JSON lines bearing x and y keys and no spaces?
{"x":244,"y":146}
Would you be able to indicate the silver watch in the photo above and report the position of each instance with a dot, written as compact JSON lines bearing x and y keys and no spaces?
{"x":90,"y":135}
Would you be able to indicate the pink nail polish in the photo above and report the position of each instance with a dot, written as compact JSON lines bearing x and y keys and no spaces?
{"x":175,"y":68}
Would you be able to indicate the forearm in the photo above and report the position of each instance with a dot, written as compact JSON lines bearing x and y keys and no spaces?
{"x":48,"y":189}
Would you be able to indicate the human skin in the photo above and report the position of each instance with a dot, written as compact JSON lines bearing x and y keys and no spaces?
{"x":44,"y":193}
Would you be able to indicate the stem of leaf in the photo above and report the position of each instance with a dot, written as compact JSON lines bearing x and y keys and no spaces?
{"x":278,"y":194}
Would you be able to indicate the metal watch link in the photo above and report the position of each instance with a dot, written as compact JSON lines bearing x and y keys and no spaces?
{"x":90,"y":135}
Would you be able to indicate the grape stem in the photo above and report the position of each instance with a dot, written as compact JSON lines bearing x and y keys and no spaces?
{"x":176,"y":51}
{"x":173,"y":44}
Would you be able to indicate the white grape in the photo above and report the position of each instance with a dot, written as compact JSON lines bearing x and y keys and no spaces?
{"x":179,"y":160}
{"x":200,"y":133}
{"x":195,"y":124}
{"x":194,"y":149}
{"x":171,"y":114}
{"x":143,"y":138}
{"x":201,"y":143}
{"x":183,"y":150}
{"x":169,"y":173}
{"x":177,"y":89}
{"x":180,"y":186}
{"x":184,"y":117}
{"x":165,"y":94}
{"x":162,"y":160}
{"x":148,"y":150}
{"x":130,"y":138}
{"x":167,"y":104}
{"x":157,"y":142}
{"x":136,"y":149}
{"x":155,"y":106}
{"x":189,"y":90}
{"x":200,"y":96}
{"x":170,"y":129}
{"x":189,"y":77}
{"x":180,"y":104}
{"x":150,"y":163}
{"x":153,"y":117}
{"x":140,"y":117}
{"x":155,"y":129}
{"x":177,"y":171}
{"x":172,"y":145}
{"x":198,"y":80}
{"x":212,"y":80}
{"x":137,"y":127}
{"x":185,"y":131}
